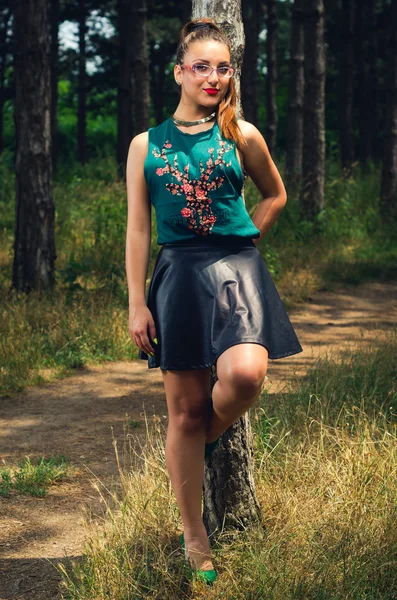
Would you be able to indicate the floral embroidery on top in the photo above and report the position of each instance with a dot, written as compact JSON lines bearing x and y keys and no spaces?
{"x":197,"y":211}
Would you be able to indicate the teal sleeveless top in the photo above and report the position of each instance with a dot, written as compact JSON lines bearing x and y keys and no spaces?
{"x":195,"y":184}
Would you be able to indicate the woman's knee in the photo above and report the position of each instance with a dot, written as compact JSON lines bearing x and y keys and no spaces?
{"x":190,"y":415}
{"x":243,"y":367}
{"x":247,"y":378}
{"x":188,"y":398}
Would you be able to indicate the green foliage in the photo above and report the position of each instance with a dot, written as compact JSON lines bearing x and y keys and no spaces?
{"x":34,"y":478}
{"x":59,"y":332}
{"x":5,"y":483}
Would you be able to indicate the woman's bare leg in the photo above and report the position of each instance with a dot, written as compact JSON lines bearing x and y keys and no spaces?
{"x":188,"y":402}
{"x":241,"y":371}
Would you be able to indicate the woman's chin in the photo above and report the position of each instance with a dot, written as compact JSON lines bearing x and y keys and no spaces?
{"x":211,"y":103}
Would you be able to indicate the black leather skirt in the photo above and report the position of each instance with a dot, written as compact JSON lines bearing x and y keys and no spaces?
{"x":208,"y":295}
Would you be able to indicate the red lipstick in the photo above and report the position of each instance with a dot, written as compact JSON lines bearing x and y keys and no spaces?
{"x":211,"y":91}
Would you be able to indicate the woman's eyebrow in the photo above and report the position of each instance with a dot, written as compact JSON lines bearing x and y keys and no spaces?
{"x":202,"y":60}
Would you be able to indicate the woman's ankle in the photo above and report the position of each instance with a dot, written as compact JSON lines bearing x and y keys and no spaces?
{"x":197,"y":547}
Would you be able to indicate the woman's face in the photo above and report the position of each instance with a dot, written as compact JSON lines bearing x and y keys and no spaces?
{"x":206,"y":52}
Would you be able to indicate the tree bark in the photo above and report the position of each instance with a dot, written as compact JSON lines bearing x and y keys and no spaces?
{"x":124,"y":97}
{"x":159,"y":87}
{"x":388,"y":197}
{"x":271,"y":78}
{"x":54,"y":13}
{"x":296,"y":91}
{"x":140,"y":67}
{"x":82,"y":87}
{"x":5,"y":19}
{"x":34,"y":246}
{"x":346,"y":80}
{"x":252,"y":19}
{"x":228,"y":16}
{"x":229,"y":489}
{"x":313,"y":158}
{"x":367,"y":84}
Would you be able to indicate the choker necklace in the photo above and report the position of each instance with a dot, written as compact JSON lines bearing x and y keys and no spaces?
{"x":189,"y":123}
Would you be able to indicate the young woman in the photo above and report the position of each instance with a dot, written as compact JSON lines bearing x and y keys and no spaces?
{"x":211,"y":299}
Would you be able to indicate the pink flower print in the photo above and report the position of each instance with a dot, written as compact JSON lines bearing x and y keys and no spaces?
{"x":200,"y":193}
{"x":197,"y":212}
{"x":187,"y":188}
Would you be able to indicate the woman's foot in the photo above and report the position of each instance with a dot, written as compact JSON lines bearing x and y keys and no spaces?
{"x":197,"y":548}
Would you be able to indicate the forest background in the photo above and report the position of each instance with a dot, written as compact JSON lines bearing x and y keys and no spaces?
{"x":115,"y":82}
{"x":319,"y":80}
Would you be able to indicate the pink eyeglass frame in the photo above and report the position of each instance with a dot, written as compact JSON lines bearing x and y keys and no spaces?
{"x":190,"y":68}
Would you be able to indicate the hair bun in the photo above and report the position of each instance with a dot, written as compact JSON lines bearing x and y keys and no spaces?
{"x":199,"y":25}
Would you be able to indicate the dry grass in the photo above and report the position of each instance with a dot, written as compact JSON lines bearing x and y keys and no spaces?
{"x":326,"y":479}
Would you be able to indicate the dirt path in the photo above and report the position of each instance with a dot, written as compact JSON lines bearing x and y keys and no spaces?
{"x":81,"y":415}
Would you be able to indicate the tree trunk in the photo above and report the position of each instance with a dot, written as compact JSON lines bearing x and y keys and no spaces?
{"x":54,"y":13}
{"x":34,"y":247}
{"x":313,"y":158}
{"x":5,"y":19}
{"x":346,"y":80}
{"x":140,"y":67}
{"x":229,"y":489}
{"x":124,"y":98}
{"x":159,"y":88}
{"x":388,"y":197}
{"x":271,"y":77}
{"x":230,"y":501}
{"x":296,"y":90}
{"x":252,"y":19}
{"x":82,"y":87}
{"x":228,"y":16}
{"x":366,"y":72}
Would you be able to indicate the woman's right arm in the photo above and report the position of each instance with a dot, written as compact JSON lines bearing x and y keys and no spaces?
{"x":138,"y":244}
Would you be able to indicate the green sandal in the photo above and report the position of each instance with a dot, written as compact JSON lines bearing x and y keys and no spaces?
{"x":209,"y":576}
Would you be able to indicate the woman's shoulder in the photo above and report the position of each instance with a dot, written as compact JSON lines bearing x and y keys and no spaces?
{"x":249,"y":131}
{"x":255,"y":140}
{"x":139,"y":142}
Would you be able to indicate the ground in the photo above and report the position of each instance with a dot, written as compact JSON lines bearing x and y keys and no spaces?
{"x":84,"y":415}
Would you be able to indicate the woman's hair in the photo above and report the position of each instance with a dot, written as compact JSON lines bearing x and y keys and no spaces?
{"x":206,"y":29}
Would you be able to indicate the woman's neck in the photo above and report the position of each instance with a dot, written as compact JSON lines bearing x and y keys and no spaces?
{"x":190,"y":113}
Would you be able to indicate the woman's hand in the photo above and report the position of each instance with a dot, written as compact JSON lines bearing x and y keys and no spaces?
{"x":140,"y":322}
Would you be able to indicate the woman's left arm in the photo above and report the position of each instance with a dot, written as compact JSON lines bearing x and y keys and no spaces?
{"x":260,"y":167}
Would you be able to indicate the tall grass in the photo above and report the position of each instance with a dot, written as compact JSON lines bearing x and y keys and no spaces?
{"x":45,"y":337}
{"x":325,"y":456}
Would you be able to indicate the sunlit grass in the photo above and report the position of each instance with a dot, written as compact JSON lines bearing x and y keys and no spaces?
{"x":35,"y":477}
{"x":44,"y":337}
{"x":325,"y":453}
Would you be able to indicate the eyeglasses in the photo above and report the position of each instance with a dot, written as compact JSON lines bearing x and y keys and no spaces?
{"x":206,"y":70}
